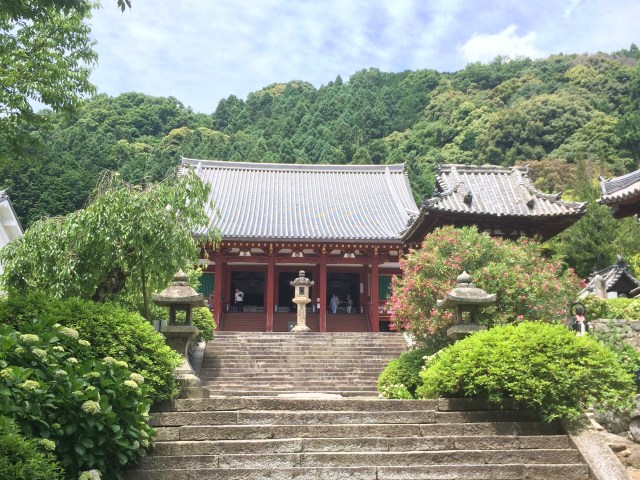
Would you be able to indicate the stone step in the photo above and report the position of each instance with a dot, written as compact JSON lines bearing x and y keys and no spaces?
{"x":255,"y":392}
{"x":249,"y":432}
{"x":290,"y":418}
{"x":361,"y":459}
{"x":371,"y":444}
{"x":325,"y":417}
{"x":430,"y":472}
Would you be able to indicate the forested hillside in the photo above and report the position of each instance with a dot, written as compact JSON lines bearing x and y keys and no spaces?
{"x":571,"y":117}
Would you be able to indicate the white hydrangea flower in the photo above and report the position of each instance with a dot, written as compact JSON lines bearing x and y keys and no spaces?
{"x":29,"y":338}
{"x":136,"y":377}
{"x":72,"y":360}
{"x":47,"y":444}
{"x":39,"y":353}
{"x":90,"y":475}
{"x":90,"y":407}
{"x":58,"y":348}
{"x":130,"y":383}
{"x":61,"y":373}
{"x":6,"y":373}
{"x":69,"y":332}
{"x":109,"y":360}
{"x":84,"y":343}
{"x":29,"y":385}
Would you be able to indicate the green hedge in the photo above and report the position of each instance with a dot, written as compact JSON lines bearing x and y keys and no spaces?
{"x":401,"y":376}
{"x":612,"y":308}
{"x":112,"y":331}
{"x":24,"y":458}
{"x":547,"y":368}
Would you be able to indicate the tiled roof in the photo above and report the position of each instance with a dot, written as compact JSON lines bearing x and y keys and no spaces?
{"x":307,"y":202}
{"x":612,"y":274}
{"x":496,"y":191}
{"x":619,"y":189}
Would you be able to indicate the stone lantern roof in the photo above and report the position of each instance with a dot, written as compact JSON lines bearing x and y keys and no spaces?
{"x":301,"y":281}
{"x":466,"y":293}
{"x":179,"y":293}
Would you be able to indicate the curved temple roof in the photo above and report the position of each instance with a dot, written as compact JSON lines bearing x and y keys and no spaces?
{"x":307,"y":202}
{"x":622,"y":194}
{"x":498,"y":191}
{"x":493,"y":195}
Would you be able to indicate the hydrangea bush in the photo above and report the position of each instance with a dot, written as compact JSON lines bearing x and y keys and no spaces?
{"x":528,"y":286}
{"x":113,"y":331}
{"x":92,"y":412}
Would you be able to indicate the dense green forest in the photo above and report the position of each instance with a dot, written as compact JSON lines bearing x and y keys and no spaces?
{"x":570,"y":117}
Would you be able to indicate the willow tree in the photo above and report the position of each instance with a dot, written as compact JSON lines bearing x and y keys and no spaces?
{"x":126,"y":243}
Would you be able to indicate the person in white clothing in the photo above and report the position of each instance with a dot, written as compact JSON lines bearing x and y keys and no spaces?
{"x":239,"y":298}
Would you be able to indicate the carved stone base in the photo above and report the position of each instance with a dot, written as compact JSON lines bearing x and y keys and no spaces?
{"x":179,"y":338}
{"x":458,"y":332}
{"x":300,"y":328}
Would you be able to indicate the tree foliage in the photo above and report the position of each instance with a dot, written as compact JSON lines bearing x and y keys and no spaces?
{"x":528,"y":286}
{"x":127,"y":242}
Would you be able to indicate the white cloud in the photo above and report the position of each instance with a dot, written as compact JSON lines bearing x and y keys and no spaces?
{"x":200,"y":51}
{"x":484,"y":48}
{"x":572,"y":5}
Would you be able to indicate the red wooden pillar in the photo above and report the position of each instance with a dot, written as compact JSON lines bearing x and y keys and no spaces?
{"x":374,"y":318}
{"x":218,"y":288}
{"x":323,"y":293}
{"x":269,"y":304}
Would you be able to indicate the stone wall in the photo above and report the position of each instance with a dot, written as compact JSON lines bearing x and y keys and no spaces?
{"x":627,"y":330}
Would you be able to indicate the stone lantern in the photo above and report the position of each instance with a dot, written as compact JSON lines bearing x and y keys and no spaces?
{"x":301,"y":298}
{"x":466,"y":297}
{"x":181,"y":296}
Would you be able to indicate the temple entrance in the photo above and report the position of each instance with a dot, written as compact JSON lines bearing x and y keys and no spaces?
{"x":253,"y":286}
{"x":344,"y":284}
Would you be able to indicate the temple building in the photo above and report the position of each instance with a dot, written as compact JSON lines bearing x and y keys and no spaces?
{"x":347,"y":227}
{"x":499,"y":200}
{"x":618,"y":281}
{"x":621,"y":194}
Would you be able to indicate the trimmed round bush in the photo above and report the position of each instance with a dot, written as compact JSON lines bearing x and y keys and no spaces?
{"x":401,"y":376}
{"x":113,"y":332}
{"x":25,"y":458}
{"x":545,"y":367}
{"x":92,"y":413}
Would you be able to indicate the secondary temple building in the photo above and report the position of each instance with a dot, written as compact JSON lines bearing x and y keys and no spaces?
{"x":347,"y":227}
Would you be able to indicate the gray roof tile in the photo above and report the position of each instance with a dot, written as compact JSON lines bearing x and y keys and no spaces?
{"x":307,"y":202}
{"x":619,"y":189}
{"x":495,"y":191}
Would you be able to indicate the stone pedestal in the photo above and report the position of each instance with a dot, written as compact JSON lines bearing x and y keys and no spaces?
{"x":458,"y":332}
{"x":179,"y":338}
{"x":301,"y":317}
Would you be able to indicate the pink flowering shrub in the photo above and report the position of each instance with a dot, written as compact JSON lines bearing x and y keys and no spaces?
{"x":528,"y":286}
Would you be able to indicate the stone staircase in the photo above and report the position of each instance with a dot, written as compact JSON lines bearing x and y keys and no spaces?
{"x":257,"y":363}
{"x":353,"y":438}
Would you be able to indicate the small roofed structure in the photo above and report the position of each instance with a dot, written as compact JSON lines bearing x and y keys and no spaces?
{"x":499,"y":200}
{"x":179,"y":296}
{"x":621,"y":194}
{"x":619,"y":282}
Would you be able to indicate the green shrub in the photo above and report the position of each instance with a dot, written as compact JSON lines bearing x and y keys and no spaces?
{"x":112,"y":331}
{"x":546,"y":368}
{"x":612,"y":308}
{"x":25,"y":458}
{"x":401,"y":376}
{"x":529,"y":287}
{"x":94,"y":411}
{"x":202,"y":318}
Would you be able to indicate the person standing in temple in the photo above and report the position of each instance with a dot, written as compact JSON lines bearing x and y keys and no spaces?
{"x":333,"y":303}
{"x":239,"y":298}
{"x":349,"y":303}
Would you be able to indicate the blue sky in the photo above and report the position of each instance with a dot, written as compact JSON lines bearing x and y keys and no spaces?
{"x":201,"y":51}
